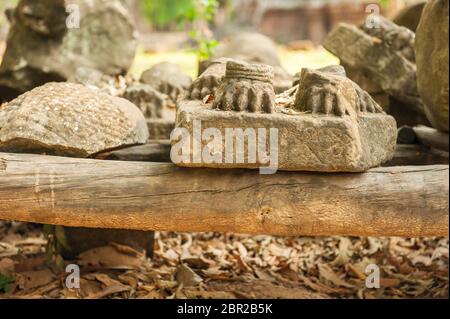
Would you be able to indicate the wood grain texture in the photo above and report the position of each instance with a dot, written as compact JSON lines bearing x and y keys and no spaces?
{"x":393,"y":201}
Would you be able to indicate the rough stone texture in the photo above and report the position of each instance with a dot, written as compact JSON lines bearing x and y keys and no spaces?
{"x":246,"y":87}
{"x":332,"y":126}
{"x":160,"y":129}
{"x":306,"y":142}
{"x":208,"y":80}
{"x":167,"y":78}
{"x":328,"y":91}
{"x":150,"y":101}
{"x":384,"y":55}
{"x":157,"y":107}
{"x":398,"y":38}
{"x":41,"y":49}
{"x":255,"y":48}
{"x":409,"y":17}
{"x":432,"y":61}
{"x":95,"y":79}
{"x":70,"y":120}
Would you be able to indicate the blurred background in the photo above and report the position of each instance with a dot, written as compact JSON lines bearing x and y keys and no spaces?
{"x":298,"y":27}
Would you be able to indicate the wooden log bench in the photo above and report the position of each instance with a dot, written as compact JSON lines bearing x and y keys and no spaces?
{"x":407,"y":201}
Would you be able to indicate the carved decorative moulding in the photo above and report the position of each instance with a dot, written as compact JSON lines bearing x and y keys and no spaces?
{"x":326,"y":123}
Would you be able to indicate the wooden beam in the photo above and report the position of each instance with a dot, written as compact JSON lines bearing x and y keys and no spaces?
{"x":392,"y":201}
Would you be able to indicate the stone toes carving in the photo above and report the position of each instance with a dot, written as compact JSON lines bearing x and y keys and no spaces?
{"x":328,"y":91}
{"x":167,"y":78}
{"x":204,"y":86}
{"x":366,"y":103}
{"x":150,"y":101}
{"x":325,"y":93}
{"x":246,"y":87}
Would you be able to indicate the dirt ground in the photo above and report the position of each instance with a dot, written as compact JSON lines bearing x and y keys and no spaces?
{"x":211,"y":265}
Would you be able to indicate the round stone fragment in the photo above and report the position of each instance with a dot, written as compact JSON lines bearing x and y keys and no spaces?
{"x":69,"y":120}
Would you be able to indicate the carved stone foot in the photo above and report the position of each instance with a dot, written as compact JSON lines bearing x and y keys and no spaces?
{"x":246,"y":87}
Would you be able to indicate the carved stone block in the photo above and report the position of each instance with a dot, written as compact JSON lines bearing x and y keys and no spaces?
{"x":331,"y":125}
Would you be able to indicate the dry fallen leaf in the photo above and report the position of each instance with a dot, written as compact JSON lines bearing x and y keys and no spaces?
{"x":109,"y":257}
{"x":329,"y":275}
{"x":187,"y":277}
{"x":32,"y":279}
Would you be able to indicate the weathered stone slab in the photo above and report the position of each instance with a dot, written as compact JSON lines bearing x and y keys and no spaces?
{"x":306,"y":142}
{"x":385,"y":55}
{"x":331,"y":125}
{"x":69,"y":120}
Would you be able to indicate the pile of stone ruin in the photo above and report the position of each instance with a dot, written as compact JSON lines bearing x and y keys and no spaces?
{"x":66,"y":92}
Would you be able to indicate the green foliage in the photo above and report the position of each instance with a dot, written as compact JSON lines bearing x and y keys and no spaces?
{"x":203,"y":13}
{"x":202,"y":10}
{"x":205,"y":47}
{"x":197,"y":14}
{"x":5,"y":283}
{"x":164,"y":12}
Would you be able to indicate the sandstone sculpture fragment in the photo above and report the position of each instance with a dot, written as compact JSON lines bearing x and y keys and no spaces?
{"x":379,"y":59}
{"x":246,"y":87}
{"x":209,"y":80}
{"x":328,"y":124}
{"x":43,"y":48}
{"x":167,"y":78}
{"x":156,"y":107}
{"x":69,"y":120}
